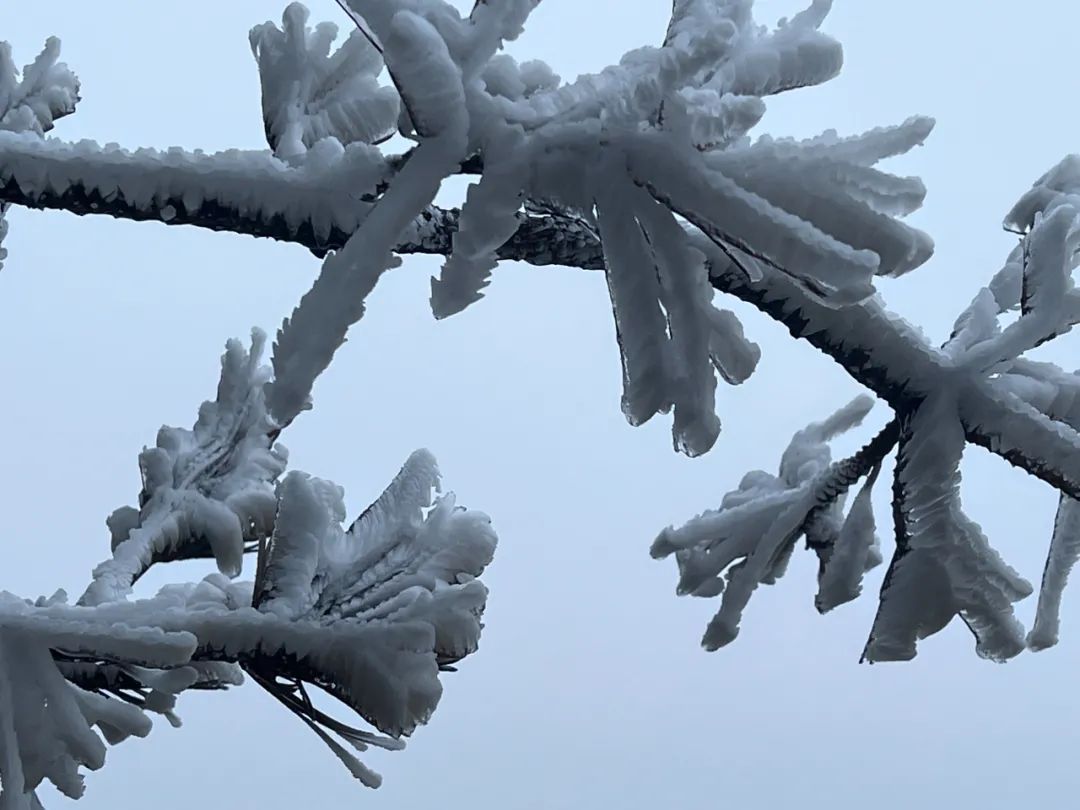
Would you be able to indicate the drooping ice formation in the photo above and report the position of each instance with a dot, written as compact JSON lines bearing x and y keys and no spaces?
{"x":309,"y":93}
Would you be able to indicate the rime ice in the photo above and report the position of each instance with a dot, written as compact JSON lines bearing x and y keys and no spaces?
{"x":650,"y":170}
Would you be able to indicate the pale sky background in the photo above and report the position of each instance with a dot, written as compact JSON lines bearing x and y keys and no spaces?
{"x":589,"y":689}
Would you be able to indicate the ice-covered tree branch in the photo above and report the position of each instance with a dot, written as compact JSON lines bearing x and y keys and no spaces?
{"x":307,"y":205}
{"x":647,"y":171}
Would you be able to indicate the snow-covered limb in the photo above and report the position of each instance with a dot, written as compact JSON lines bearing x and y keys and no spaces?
{"x":854,"y":336}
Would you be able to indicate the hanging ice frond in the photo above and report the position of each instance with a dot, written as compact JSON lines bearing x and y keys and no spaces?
{"x":751,"y":535}
{"x":309,"y":93}
{"x":736,"y":217}
{"x":865,"y":149}
{"x":943,"y":565}
{"x":398,"y":586}
{"x":308,"y":508}
{"x":504,"y":76}
{"x":3,"y":233}
{"x":429,"y":79}
{"x":1064,"y":552}
{"x":709,"y":119}
{"x":46,"y":90}
{"x":854,"y":552}
{"x":976,"y":324}
{"x":206,"y":490}
{"x":1059,"y":185}
{"x":491,"y":24}
{"x":795,"y":55}
{"x":671,"y":339}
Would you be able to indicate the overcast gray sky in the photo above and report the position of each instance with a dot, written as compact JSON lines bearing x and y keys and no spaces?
{"x":590,"y":687}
